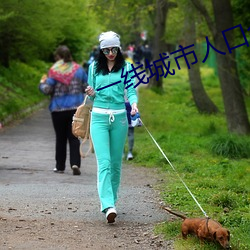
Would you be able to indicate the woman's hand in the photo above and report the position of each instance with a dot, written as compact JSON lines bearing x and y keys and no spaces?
{"x":43,"y":79}
{"x":134,"y":109}
{"x":90,"y":91}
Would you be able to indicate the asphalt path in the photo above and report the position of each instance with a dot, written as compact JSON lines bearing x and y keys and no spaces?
{"x":31,"y":190}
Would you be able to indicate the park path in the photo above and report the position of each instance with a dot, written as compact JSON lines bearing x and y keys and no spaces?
{"x":43,"y":210}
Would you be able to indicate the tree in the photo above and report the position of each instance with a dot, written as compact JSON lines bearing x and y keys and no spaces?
{"x":127,"y":18}
{"x":28,"y":33}
{"x":159,"y":44}
{"x":235,"y":109}
{"x":201,"y":99}
{"x":241,"y":16}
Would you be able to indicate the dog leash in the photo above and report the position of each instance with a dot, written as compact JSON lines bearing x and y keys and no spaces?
{"x":174,"y":170}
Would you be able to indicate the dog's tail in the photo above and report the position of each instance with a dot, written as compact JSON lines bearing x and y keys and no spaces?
{"x":175,"y":213}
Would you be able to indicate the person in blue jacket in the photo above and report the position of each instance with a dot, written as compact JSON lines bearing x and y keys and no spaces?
{"x":65,"y":83}
{"x":109,"y":124}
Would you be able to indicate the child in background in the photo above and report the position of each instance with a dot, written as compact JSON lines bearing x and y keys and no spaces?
{"x":128,"y":108}
{"x":130,"y":133}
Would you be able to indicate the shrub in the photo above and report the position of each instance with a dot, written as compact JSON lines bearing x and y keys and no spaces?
{"x":223,"y":200}
{"x":231,"y":146}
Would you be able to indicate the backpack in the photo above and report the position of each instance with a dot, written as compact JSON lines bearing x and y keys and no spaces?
{"x":81,"y":126}
{"x":81,"y":123}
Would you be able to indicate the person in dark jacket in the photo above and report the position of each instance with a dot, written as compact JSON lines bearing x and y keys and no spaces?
{"x":65,"y":83}
{"x":147,"y":54}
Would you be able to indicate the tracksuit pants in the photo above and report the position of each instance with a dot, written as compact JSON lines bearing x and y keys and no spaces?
{"x":108,"y":133}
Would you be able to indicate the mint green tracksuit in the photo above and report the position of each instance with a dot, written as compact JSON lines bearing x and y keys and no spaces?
{"x":109,"y":130}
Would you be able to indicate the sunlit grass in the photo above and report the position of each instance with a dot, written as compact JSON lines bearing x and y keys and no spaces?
{"x":192,"y":143}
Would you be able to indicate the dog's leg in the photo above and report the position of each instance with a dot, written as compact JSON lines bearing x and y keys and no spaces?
{"x":184,"y":235}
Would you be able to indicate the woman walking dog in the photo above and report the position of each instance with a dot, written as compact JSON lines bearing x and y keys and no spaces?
{"x":109,"y":123}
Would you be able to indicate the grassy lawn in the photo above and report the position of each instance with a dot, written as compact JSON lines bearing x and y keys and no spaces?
{"x":214,"y":164}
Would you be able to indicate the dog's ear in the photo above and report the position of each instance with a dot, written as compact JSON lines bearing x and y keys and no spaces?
{"x":214,"y":235}
{"x":228,"y":237}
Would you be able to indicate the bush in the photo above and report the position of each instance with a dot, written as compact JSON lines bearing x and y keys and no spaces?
{"x":231,"y":146}
{"x":19,"y":88}
{"x":224,"y":200}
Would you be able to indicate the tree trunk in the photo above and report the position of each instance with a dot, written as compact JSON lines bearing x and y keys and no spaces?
{"x":202,"y":101}
{"x":233,"y":98}
{"x":162,"y":7}
{"x":235,"y":109}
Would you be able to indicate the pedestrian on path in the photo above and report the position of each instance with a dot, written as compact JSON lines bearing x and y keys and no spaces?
{"x":148,"y":56}
{"x":109,"y":123}
{"x":131,"y":129}
{"x":130,"y":133}
{"x":65,"y":83}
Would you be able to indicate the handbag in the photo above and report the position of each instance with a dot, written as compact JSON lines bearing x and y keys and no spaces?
{"x":81,"y":126}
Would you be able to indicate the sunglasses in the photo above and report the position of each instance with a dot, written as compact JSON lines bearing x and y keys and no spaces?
{"x":106,"y":51}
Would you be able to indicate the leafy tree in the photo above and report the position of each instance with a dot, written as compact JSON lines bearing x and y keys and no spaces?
{"x":202,"y":101}
{"x":159,"y":45}
{"x":28,"y":33}
{"x":242,"y":17}
{"x":127,"y":18}
{"x":235,"y":109}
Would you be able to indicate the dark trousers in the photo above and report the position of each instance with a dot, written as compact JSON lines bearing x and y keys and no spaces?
{"x":62,"y":122}
{"x":131,"y":139}
{"x":130,"y":129}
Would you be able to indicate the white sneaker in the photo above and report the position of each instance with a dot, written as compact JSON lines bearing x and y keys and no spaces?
{"x":111,"y":214}
{"x":130,"y":156}
{"x":58,"y":171}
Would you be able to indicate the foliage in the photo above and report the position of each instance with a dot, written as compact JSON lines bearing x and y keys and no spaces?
{"x":19,"y":88}
{"x":176,"y":23}
{"x":174,"y":33}
{"x":124,"y":16}
{"x":219,"y":183}
{"x":243,"y":59}
{"x":41,"y":30}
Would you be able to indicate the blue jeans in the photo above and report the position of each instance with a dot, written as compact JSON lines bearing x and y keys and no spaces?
{"x":108,"y":139}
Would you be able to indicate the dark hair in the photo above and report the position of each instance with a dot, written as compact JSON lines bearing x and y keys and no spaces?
{"x":102,"y":67}
{"x":64,"y":53}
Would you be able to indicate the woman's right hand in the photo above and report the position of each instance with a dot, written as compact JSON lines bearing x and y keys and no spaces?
{"x":90,"y":91}
{"x":43,"y":79}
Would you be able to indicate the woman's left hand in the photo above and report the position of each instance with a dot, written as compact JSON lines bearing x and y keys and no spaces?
{"x":134,"y":109}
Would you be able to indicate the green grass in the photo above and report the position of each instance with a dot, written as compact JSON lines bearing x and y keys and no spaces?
{"x":19,"y":88}
{"x":214,"y":164}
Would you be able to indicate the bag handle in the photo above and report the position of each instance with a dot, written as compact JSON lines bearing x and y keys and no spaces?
{"x":85,"y":99}
{"x":83,"y":155}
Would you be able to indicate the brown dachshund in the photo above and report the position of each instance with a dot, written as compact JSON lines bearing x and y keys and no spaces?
{"x":204,"y":229}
